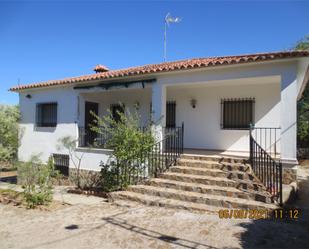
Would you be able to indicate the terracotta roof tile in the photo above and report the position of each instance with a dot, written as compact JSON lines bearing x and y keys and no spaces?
{"x":166,"y":67}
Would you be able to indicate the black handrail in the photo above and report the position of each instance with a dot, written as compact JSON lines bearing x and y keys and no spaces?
{"x":267,"y":169}
{"x":153,"y":160}
{"x":268,"y":138}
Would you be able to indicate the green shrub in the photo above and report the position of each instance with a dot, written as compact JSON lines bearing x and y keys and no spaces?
{"x":9,"y":116}
{"x":127,"y":140}
{"x":36,"y":181}
{"x":109,"y":177}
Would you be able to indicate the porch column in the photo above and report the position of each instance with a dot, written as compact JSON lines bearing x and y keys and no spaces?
{"x":288,"y":109}
{"x":158,"y":108}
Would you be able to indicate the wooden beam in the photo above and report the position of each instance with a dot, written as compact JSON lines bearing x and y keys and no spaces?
{"x":106,"y":86}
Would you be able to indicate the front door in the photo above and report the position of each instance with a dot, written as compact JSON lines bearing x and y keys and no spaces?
{"x":89,"y":121}
{"x":170,"y":114}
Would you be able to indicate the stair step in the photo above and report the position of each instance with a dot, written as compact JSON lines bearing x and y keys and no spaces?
{"x":209,"y":180}
{"x":225,"y":166}
{"x":214,"y":158}
{"x":211,"y":189}
{"x":207,"y":199}
{"x":234,"y":175}
{"x":164,"y":202}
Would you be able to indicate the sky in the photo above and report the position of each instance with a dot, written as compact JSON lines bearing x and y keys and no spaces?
{"x":45,"y":40}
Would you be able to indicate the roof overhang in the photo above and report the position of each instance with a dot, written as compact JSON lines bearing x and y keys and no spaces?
{"x":153,"y":70}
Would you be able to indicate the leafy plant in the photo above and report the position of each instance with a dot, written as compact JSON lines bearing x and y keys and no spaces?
{"x":36,"y":181}
{"x":303,"y":104}
{"x":128,"y":140}
{"x":69,"y":143}
{"x":109,"y":176}
{"x":9,"y":117}
{"x":303,"y":44}
{"x":83,"y":179}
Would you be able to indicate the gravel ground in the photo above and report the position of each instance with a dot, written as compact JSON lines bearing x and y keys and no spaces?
{"x":130,"y":225}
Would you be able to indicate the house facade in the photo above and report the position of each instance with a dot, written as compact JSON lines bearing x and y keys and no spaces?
{"x":215,"y":98}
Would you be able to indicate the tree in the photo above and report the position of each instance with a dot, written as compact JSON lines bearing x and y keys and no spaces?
{"x":83,"y":179}
{"x":303,"y":104}
{"x":9,"y":117}
{"x":303,"y":44}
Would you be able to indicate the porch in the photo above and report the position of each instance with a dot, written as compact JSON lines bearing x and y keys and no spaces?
{"x":200,"y":106}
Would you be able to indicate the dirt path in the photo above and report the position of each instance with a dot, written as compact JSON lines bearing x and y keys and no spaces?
{"x":109,"y":226}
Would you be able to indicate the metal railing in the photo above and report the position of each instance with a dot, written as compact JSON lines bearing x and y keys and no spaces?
{"x":266,"y":168}
{"x":268,"y":138}
{"x":153,"y":160}
{"x":89,"y":138}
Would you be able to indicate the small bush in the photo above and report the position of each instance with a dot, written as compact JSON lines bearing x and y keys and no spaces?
{"x":37,"y":181}
{"x":109,"y":177}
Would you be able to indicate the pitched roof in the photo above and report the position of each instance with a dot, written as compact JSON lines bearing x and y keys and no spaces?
{"x":167,"y":67}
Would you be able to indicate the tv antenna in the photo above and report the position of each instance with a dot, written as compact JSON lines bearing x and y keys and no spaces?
{"x":168,"y":19}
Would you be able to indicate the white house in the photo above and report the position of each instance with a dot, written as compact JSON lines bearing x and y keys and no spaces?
{"x":216,"y":99}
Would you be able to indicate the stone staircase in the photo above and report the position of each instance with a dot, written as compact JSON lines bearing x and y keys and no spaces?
{"x":203,"y":183}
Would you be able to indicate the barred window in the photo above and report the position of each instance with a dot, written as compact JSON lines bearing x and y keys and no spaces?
{"x":62,"y":163}
{"x":46,"y":115}
{"x":237,"y":113}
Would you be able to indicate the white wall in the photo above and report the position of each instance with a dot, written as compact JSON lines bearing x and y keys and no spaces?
{"x":202,"y":124}
{"x":44,"y":140}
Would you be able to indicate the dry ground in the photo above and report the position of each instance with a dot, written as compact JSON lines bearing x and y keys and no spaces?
{"x":106,"y":225}
{"x":93,"y":224}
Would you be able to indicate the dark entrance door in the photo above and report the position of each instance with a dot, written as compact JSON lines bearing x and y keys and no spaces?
{"x":170,"y":114}
{"x":89,"y":121}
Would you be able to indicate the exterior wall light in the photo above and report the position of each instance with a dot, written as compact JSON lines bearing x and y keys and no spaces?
{"x":193,"y":103}
{"x":28,"y":96}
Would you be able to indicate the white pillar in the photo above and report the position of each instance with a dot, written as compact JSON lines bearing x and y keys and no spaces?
{"x":289,"y":117}
{"x":158,"y":108}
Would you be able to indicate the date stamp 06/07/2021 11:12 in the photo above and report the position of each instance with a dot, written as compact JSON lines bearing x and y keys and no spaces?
{"x":278,"y":214}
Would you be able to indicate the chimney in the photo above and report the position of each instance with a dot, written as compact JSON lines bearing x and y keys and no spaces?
{"x":100,"y":69}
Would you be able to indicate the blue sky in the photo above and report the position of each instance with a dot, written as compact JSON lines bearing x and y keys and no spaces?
{"x":44,"y":40}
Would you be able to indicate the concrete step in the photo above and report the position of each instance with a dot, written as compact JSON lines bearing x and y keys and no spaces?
{"x":225,"y":166}
{"x":218,"y":181}
{"x":215,"y":158}
{"x":234,"y":175}
{"x":211,"y":189}
{"x":207,"y":199}
{"x":164,"y":202}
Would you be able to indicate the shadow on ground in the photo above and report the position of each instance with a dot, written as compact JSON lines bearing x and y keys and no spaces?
{"x":176,"y":241}
{"x":9,"y":179}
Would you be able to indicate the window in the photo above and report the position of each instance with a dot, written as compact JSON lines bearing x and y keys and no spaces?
{"x":46,"y":115}
{"x":61,"y":163}
{"x":116,"y":109}
{"x":237,"y":113}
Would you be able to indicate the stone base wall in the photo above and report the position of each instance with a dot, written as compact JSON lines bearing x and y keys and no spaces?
{"x":289,"y":175}
{"x":88,"y":178}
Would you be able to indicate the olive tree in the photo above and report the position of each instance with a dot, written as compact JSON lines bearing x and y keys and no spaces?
{"x":9,"y":117}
